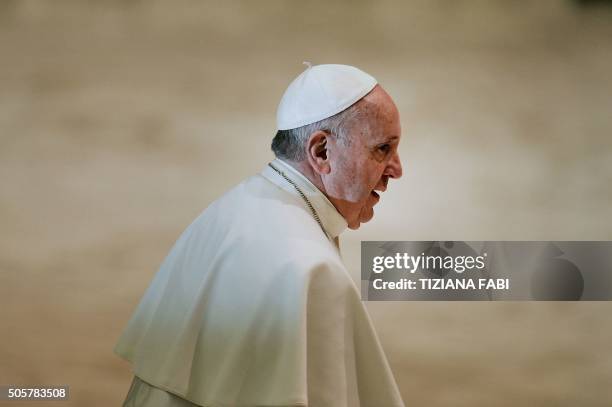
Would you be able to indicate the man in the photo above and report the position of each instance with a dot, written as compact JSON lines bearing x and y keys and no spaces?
{"x":253,"y":306}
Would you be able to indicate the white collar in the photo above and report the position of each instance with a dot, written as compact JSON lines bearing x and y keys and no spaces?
{"x":332,"y":221}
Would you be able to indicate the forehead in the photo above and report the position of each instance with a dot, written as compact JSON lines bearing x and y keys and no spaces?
{"x":376,"y":120}
{"x":383,"y":126}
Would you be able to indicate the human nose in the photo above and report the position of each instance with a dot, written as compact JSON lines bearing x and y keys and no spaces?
{"x":394,"y":167}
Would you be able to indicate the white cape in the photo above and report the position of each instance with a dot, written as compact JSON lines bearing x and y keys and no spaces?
{"x":253,"y":307}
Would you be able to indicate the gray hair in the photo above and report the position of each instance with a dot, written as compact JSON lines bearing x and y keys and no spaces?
{"x":291,"y":144}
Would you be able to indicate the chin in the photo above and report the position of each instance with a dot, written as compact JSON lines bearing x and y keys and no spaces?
{"x":365,"y":214}
{"x":354,"y":226}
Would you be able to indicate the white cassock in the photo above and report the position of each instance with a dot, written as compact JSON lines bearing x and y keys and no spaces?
{"x":253,"y":307}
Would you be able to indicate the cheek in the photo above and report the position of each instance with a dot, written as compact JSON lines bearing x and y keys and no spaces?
{"x":355,"y":183}
{"x":360,"y":178}
{"x":363,"y":184}
{"x":373,"y":175}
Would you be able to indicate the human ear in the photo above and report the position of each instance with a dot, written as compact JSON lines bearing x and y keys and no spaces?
{"x":316,"y":152}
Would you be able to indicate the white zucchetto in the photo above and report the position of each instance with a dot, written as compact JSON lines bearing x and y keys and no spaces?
{"x":320,"y":92}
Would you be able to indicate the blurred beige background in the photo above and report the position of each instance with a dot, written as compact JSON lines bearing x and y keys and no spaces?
{"x":121,"y":121}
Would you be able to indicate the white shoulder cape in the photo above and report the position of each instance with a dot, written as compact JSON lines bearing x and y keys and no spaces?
{"x":253,"y":307}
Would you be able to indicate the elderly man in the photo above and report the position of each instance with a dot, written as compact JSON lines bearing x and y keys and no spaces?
{"x":253,"y":306}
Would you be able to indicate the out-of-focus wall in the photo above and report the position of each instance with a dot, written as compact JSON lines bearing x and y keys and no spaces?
{"x":121,"y":121}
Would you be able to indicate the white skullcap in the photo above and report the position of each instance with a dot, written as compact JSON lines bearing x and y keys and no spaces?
{"x":321,"y":91}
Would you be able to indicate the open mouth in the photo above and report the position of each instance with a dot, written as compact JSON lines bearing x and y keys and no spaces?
{"x":376,"y":195}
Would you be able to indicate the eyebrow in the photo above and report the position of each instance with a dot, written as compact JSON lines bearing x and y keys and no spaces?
{"x":390,"y":138}
{"x":386,"y":140}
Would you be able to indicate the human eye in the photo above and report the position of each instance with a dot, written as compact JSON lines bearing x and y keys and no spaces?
{"x":384,"y":148}
{"x":381,"y":152}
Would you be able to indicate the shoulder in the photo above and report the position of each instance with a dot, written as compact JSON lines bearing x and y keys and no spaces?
{"x":258,"y":219}
{"x":256,"y":210}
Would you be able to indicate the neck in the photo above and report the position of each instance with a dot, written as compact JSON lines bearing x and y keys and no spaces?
{"x":312,"y":176}
{"x":308,"y":172}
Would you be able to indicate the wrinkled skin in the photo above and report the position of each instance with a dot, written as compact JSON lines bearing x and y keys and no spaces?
{"x":352,"y":174}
